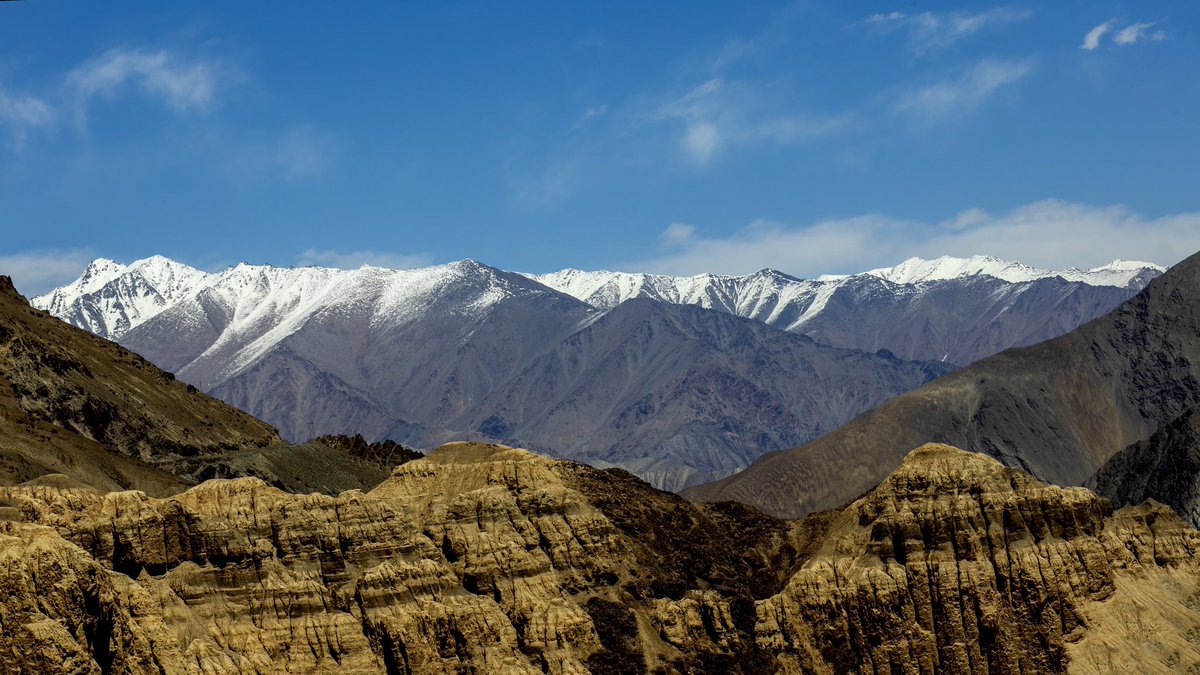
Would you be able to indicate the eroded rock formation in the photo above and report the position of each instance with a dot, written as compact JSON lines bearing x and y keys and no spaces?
{"x":489,"y":559}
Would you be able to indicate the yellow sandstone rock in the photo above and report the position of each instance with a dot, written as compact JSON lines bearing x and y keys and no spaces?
{"x":495,"y":560}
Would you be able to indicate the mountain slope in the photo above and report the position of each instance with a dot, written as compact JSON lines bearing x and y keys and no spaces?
{"x":75,"y":403}
{"x":680,"y":394}
{"x":1058,"y":409}
{"x":490,"y":559}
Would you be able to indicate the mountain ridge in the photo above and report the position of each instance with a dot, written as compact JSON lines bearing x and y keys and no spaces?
{"x":436,"y":354}
{"x":176,"y":280}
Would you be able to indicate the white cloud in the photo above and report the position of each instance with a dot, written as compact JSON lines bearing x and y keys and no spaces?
{"x":966,"y":92}
{"x":1131,"y":34}
{"x":36,"y":272}
{"x":593,"y":111}
{"x":1051,"y":234}
{"x":551,"y":183}
{"x":355,"y":259}
{"x":676,"y":234}
{"x":1092,"y":40}
{"x":964,"y":219}
{"x":889,"y":18}
{"x":931,"y":31}
{"x":184,"y":85}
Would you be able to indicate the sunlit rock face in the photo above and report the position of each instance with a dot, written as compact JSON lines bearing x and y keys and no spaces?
{"x":482,"y":558}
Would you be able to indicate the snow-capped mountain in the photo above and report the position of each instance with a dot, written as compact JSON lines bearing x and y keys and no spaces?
{"x":689,"y":383}
{"x":950,"y":309}
{"x":109,"y":298}
{"x":1119,"y":273}
{"x":742,"y":295}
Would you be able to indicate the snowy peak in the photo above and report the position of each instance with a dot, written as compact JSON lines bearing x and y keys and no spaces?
{"x":1119,"y":273}
{"x":110,"y":299}
{"x":945,"y":268}
{"x":98,"y":272}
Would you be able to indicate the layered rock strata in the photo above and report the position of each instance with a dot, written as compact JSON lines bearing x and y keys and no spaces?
{"x":489,"y":559}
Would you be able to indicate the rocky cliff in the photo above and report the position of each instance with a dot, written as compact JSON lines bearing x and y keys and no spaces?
{"x":489,"y":559}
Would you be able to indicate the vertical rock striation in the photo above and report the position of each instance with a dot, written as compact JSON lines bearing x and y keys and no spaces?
{"x":484,"y":558}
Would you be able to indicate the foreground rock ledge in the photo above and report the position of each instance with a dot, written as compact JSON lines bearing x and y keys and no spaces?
{"x":490,"y":559}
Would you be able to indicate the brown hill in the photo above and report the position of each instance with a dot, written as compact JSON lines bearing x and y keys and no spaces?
{"x":490,"y":559}
{"x":1058,"y":409}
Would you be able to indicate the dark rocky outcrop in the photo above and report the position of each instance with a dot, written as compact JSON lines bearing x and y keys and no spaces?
{"x":1164,"y":467}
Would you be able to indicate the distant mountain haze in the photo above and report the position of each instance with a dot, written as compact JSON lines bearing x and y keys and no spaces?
{"x":681,"y":380}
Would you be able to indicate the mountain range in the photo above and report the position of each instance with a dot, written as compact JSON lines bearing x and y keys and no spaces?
{"x":682,"y":380}
{"x":954,"y":310}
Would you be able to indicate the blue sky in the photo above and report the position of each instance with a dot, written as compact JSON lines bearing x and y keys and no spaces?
{"x":814,"y":137}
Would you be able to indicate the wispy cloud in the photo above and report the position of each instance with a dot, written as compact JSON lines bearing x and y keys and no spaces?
{"x":550,"y":182}
{"x":591,"y":112}
{"x":183,"y":84}
{"x":355,"y":259}
{"x":676,"y":234}
{"x":933,"y":31}
{"x":1067,"y":234}
{"x":36,"y":272}
{"x":1092,"y":40}
{"x":1139,"y":31}
{"x":718,"y":113}
{"x":1129,"y":35}
{"x":21,"y":114}
{"x":302,"y":153}
{"x":966,"y":92}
